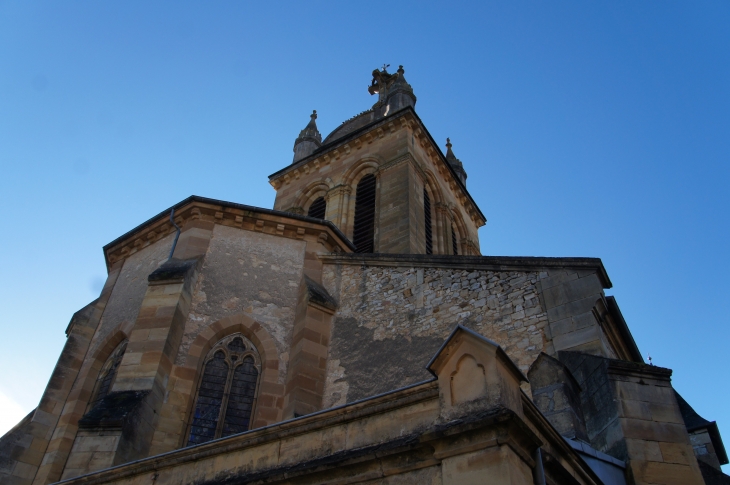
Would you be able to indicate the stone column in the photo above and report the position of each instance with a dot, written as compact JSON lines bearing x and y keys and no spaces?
{"x":338,"y":202}
{"x":442,"y":218}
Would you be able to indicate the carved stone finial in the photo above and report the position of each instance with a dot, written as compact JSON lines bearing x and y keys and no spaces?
{"x":309,"y":139}
{"x":394,"y":92}
{"x":449,"y":153}
{"x":455,"y":162}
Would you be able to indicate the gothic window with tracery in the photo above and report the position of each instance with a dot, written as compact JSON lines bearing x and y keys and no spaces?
{"x":226,"y":394}
{"x":364,"y":231}
{"x":318,"y":208}
{"x":108,"y":373}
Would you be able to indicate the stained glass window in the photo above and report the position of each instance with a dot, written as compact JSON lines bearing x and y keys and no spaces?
{"x":227,"y":391}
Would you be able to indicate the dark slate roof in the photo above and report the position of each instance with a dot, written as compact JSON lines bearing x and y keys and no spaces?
{"x":694,"y":421}
{"x":713,"y":476}
{"x":319,"y":295}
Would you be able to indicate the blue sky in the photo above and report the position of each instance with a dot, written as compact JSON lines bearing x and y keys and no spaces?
{"x":586,"y":128}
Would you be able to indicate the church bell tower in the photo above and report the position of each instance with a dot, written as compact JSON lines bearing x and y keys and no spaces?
{"x":382,"y":180}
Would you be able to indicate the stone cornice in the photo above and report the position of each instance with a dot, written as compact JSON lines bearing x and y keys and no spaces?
{"x":227,"y":214}
{"x":638,"y":370}
{"x":403,"y":119}
{"x":420,"y":392}
{"x":493,"y":263}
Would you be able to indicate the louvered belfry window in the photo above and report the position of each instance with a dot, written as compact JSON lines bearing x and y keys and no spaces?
{"x":364,"y":233}
{"x":454,"y":246}
{"x":109,"y":373}
{"x":227,"y":390}
{"x":427,"y":221}
{"x":318,"y":208}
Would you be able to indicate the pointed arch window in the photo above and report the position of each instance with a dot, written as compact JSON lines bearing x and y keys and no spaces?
{"x":364,"y":231}
{"x":454,"y":245}
{"x":318,"y":208}
{"x":108,"y":374}
{"x":427,"y":221}
{"x":226,"y":395}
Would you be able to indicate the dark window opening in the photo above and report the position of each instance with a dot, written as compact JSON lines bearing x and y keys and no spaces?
{"x":454,"y":246}
{"x":427,"y":217}
{"x":109,"y":373}
{"x":364,"y":232}
{"x":318,"y":208}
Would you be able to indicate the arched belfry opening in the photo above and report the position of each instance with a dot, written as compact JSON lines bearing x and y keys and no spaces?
{"x":364,"y":227}
{"x":428,"y":228}
{"x":318,"y":208}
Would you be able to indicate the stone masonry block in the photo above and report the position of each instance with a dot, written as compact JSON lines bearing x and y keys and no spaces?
{"x":677,"y":453}
{"x":652,"y":431}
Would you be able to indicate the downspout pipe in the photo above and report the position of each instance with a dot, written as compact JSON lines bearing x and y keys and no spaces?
{"x":538,"y":473}
{"x":177,"y":234}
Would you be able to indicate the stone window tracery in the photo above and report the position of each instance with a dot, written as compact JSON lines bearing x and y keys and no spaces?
{"x":226,"y":395}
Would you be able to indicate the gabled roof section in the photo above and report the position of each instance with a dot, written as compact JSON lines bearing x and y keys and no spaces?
{"x":404,"y":118}
{"x":228,"y":214}
{"x":463,"y":332}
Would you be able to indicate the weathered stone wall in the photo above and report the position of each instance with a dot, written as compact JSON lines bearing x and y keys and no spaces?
{"x":248,"y":273}
{"x":704,"y":448}
{"x":12,"y":444}
{"x":391,"y":321}
{"x":91,"y":451}
{"x":129,"y":290}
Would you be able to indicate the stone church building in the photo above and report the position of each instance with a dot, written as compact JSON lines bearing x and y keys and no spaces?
{"x":353,"y":334}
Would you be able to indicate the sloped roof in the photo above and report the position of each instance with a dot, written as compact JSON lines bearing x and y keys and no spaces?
{"x":694,"y":422}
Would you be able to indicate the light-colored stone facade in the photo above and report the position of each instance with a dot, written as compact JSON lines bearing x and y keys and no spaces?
{"x":392,"y":367}
{"x":404,"y":158}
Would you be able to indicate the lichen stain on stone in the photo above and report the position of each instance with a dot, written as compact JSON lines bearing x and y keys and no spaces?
{"x":336,"y":386}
